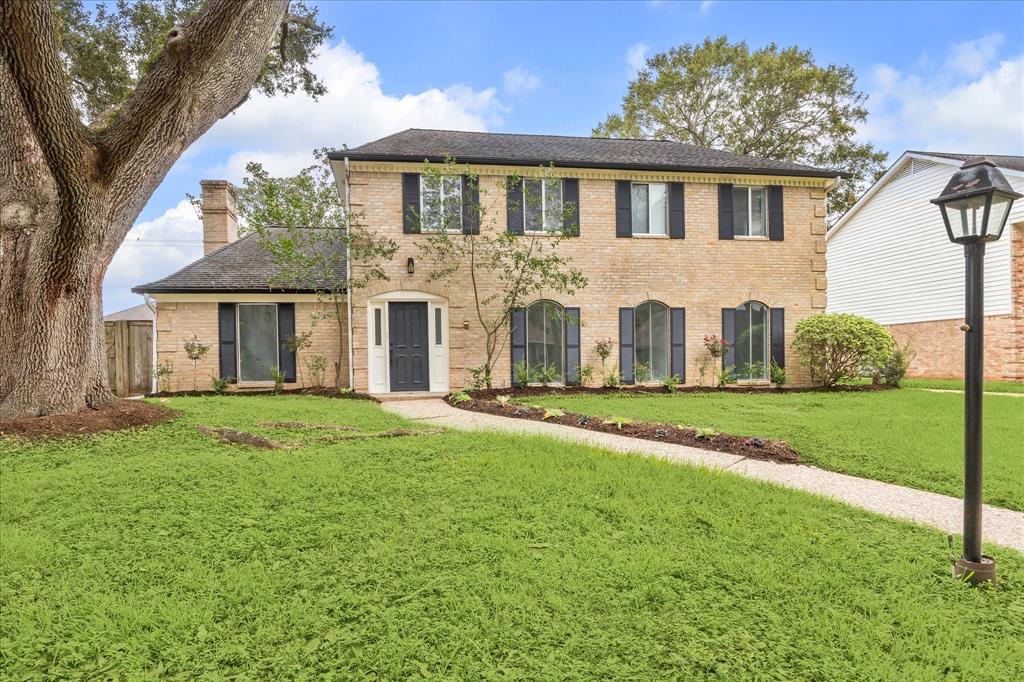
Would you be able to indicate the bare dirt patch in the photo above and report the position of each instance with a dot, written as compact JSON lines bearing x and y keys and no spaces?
{"x":746,"y":446}
{"x":124,"y":414}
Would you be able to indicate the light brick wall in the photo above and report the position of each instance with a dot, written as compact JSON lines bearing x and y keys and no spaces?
{"x":177,"y":322}
{"x":939,"y":344}
{"x":701,"y":272}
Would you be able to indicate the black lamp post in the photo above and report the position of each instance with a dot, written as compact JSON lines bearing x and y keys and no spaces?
{"x":975,"y":206}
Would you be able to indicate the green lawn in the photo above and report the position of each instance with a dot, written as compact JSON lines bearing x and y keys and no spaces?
{"x":914,"y":438}
{"x":958,"y":385}
{"x":163,"y":553}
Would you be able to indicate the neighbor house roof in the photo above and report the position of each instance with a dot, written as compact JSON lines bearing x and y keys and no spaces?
{"x":240,"y":267}
{"x":418,"y":145}
{"x":1014,"y":164}
{"x":137,"y":312}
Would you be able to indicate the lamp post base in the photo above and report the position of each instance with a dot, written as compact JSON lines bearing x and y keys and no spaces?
{"x":975,"y":572}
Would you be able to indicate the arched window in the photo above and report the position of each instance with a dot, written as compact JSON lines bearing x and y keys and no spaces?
{"x":752,"y":346}
{"x":545,"y":338}
{"x":651,"y":345}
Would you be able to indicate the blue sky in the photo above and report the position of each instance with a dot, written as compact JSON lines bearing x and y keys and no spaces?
{"x":940,"y":76}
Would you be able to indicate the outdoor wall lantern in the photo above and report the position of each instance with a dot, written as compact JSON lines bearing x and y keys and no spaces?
{"x":975,"y":206}
{"x":410,"y":266}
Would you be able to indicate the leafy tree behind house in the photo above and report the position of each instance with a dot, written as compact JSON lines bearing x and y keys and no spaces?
{"x":301,"y":221}
{"x":97,"y":102}
{"x":504,"y":270}
{"x":774,"y":103}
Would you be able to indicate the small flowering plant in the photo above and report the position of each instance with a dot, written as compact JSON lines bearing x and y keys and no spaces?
{"x":715,"y":346}
{"x":603,"y":350}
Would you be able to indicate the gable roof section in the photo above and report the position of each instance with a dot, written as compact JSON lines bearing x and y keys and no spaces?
{"x":243,"y":266}
{"x":139,"y":312}
{"x":417,"y":145}
{"x":1012,"y":164}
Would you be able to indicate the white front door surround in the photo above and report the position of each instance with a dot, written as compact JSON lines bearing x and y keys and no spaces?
{"x":378,"y":360}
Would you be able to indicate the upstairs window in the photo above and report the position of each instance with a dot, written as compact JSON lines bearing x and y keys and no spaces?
{"x":440,"y":203}
{"x":749,"y":211}
{"x":650,"y":208}
{"x":542,"y":205}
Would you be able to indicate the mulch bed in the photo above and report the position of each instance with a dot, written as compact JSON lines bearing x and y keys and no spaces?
{"x":528,"y":391}
{"x":124,"y":414}
{"x":322,"y":392}
{"x":745,"y":446}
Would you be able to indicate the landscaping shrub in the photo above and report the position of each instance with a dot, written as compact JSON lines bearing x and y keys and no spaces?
{"x":893,"y":371}
{"x":837,"y":346}
{"x":778,"y":375}
{"x":220,"y":384}
{"x":641,"y":373}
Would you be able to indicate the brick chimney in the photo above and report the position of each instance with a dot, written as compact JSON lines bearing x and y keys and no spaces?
{"x":220,"y":214}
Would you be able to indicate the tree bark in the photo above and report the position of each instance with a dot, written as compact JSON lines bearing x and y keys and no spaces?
{"x":69,"y":194}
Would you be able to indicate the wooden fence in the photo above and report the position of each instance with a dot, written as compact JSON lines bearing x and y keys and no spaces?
{"x":129,"y":356}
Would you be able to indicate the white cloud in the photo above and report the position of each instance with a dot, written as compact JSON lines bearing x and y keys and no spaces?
{"x":979,"y":111}
{"x":169,"y":243}
{"x":705,"y":6}
{"x":973,"y":56}
{"x":519,"y":81}
{"x":636,"y":56}
{"x":282,"y":131}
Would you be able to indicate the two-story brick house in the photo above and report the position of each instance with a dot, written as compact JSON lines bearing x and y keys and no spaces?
{"x":677,"y":242}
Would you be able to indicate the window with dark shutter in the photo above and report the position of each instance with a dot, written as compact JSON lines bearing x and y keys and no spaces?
{"x":410,"y":203}
{"x":571,"y":206}
{"x":518,"y":342}
{"x":729,"y":334}
{"x":778,"y":331}
{"x":776,"y":232}
{"x":623,"y":208}
{"x":626,"y":353}
{"x":227,"y":334}
{"x":678,"y":340}
{"x":514,"y":204}
{"x":572,"y":346}
{"x":470,"y":205}
{"x":725,"y":229}
{"x":676,"y":211}
{"x":285,"y":332}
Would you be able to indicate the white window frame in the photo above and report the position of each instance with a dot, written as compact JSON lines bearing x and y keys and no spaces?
{"x":650,"y":212}
{"x":443,"y":199}
{"x":238,"y":342}
{"x":545,"y":229}
{"x":750,"y":212}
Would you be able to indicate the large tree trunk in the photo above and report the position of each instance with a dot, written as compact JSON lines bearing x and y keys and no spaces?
{"x":69,"y":194}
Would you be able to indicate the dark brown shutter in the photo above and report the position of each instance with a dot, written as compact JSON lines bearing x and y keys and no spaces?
{"x":518,"y":333}
{"x":285,"y":331}
{"x":514,"y":203}
{"x":729,"y":334}
{"x":623,"y":208}
{"x":571,"y":206}
{"x":470,"y":205}
{"x":572,"y":346}
{"x":226,"y":326}
{"x":676,"y":211}
{"x":677,"y":337}
{"x":626,"y":356}
{"x":778,"y":333}
{"x":410,"y":203}
{"x":776,"y":233}
{"x":725,"y":229}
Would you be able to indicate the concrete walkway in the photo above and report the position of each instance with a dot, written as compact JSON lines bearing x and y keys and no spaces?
{"x":1001,"y":526}
{"x":957,"y":390}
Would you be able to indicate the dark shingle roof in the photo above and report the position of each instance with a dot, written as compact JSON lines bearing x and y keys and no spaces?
{"x":241,"y":266}
{"x":582,"y":152}
{"x":1001,"y":160}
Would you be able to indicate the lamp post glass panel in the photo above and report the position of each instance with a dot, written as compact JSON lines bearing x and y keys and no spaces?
{"x":975,"y":206}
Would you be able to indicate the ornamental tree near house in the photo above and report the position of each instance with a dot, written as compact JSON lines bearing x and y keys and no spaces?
{"x":301,"y":221}
{"x":97,"y":104}
{"x":504,"y":270}
{"x":774,"y":103}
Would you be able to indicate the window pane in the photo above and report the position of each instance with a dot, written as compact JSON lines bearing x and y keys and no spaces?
{"x":257,"y":342}
{"x":740,"y":211}
{"x":640,"y":209}
{"x":552,"y":205}
{"x":535,"y":335}
{"x":659,"y":208}
{"x":452,"y":202}
{"x":659,"y":342}
{"x":642,"y":334}
{"x":544,"y":337}
{"x":752,"y":341}
{"x":437,"y":327}
{"x":533,"y":204}
{"x":430,"y":203}
{"x":553,"y":340}
{"x":758,"y":211}
{"x":377,"y":335}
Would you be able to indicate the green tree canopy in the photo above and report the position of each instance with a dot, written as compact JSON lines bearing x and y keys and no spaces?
{"x":774,"y":103}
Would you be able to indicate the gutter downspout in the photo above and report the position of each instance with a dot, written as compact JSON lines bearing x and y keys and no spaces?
{"x":348,"y":292}
{"x":152,"y":306}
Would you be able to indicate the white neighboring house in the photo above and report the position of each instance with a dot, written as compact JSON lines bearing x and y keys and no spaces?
{"x":889,"y":259}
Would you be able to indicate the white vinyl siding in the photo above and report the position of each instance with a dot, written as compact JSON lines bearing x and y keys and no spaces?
{"x":891,"y":261}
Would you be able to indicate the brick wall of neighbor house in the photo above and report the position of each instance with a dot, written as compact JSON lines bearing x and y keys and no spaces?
{"x":176,"y":322}
{"x":701,"y":272}
{"x":939,"y":344}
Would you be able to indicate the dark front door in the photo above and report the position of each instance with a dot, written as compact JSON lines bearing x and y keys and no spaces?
{"x":407,"y":342}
